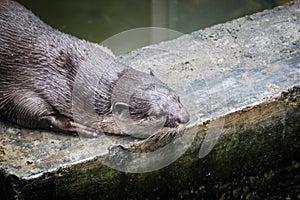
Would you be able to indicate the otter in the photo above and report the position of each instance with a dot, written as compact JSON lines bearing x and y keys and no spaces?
{"x":38,"y":68}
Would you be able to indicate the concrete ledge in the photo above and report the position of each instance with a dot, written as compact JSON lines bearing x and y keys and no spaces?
{"x":241,"y":76}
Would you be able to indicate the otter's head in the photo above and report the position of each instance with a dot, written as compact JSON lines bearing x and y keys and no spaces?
{"x":144,"y":101}
{"x":158,"y":101}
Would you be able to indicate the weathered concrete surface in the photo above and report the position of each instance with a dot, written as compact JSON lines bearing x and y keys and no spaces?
{"x":235,"y":73}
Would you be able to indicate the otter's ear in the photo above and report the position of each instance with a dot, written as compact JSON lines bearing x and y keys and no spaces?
{"x":151,"y":72}
{"x":121,"y":108}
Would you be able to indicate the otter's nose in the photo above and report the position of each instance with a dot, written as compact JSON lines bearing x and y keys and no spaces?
{"x":183,"y":118}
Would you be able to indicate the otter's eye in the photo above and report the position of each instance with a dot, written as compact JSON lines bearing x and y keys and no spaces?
{"x":157,"y":98}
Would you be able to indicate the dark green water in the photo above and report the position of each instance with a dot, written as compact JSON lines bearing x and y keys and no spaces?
{"x":97,"y":20}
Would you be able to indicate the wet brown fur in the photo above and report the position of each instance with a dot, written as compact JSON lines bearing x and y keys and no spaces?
{"x":38,"y":66}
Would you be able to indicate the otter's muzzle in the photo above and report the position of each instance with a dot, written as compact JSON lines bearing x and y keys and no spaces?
{"x":183,"y":117}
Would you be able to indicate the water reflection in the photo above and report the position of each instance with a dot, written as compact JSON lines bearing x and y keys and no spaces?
{"x":97,"y":20}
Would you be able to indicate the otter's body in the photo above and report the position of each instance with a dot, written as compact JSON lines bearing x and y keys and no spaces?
{"x":38,"y":66}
